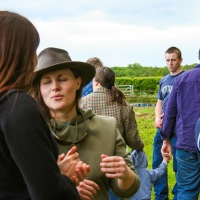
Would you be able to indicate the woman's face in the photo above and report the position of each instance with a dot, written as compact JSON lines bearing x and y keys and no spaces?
{"x":58,"y":90}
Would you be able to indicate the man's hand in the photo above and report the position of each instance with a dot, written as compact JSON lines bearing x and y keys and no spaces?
{"x":158,"y":121}
{"x":166,"y":149}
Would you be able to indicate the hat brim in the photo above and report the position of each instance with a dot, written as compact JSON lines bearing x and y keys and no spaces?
{"x":83,"y":69}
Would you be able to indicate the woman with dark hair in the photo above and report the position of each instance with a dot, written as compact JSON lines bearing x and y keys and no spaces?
{"x":108,"y":100}
{"x":57,"y":87}
{"x":28,"y":153}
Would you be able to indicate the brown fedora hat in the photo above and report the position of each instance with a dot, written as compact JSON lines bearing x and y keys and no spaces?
{"x":51,"y":59}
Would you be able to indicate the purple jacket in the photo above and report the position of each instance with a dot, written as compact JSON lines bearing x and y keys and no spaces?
{"x":183,"y":110}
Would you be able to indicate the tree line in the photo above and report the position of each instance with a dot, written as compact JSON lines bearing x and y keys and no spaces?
{"x":137,"y":70}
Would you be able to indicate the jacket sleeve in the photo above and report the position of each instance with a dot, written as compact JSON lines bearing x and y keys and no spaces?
{"x":169,"y":119}
{"x":34,"y":152}
{"x":131,"y":133}
{"x":120,"y":150}
{"x":158,"y":172}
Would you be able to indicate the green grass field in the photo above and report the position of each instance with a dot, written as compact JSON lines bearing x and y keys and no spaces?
{"x":145,"y":118}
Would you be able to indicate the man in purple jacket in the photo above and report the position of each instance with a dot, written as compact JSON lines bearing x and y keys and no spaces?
{"x":183,"y":110}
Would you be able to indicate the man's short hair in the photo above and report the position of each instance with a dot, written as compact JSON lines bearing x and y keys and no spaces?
{"x":174,"y":50}
{"x":96,"y":62}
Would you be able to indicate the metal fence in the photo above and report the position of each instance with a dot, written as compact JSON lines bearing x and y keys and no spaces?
{"x":128,"y":90}
{"x":138,"y":98}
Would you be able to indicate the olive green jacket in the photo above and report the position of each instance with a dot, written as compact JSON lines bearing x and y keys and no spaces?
{"x":102,"y":138}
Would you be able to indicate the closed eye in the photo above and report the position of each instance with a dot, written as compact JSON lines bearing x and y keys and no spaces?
{"x":45,"y":82}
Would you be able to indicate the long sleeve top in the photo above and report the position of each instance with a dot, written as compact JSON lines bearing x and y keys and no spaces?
{"x":147,"y":176}
{"x":183,"y":110}
{"x":28,"y":154}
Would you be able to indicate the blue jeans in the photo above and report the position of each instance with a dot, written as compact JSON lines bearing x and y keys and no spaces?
{"x":112,"y":196}
{"x":188,"y":175}
{"x":161,"y":185}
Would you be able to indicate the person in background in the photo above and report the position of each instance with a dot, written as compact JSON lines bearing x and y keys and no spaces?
{"x":147,"y":176}
{"x":96,"y":62}
{"x":57,"y":87}
{"x":28,"y":153}
{"x":198,"y":65}
{"x":183,"y":111}
{"x":197,"y":127}
{"x":173,"y":59}
{"x":108,"y":100}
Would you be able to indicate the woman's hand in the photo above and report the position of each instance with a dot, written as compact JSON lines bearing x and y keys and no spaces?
{"x":71,"y":166}
{"x":87,"y":189}
{"x":116,"y":167}
{"x":81,"y":172}
{"x":113,"y":166}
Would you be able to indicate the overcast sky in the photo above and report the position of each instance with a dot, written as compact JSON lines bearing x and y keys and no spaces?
{"x":119,"y":32}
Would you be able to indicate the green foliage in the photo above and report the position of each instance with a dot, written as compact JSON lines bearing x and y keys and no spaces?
{"x":147,"y":84}
{"x":137,"y":70}
{"x":142,"y":98}
{"x":144,"y":79}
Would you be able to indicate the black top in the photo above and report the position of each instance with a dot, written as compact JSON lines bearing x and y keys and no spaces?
{"x":28,"y":154}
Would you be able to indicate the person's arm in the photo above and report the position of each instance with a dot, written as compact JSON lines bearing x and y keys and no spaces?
{"x":166,"y":149}
{"x":131,"y":133}
{"x":34,"y":151}
{"x":158,"y":114}
{"x":115,"y":167}
{"x":125,"y":181}
{"x":169,"y":119}
{"x":169,"y":122}
{"x":158,"y":172}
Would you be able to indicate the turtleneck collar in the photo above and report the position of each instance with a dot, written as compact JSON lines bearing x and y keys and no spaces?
{"x":73,"y":131}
